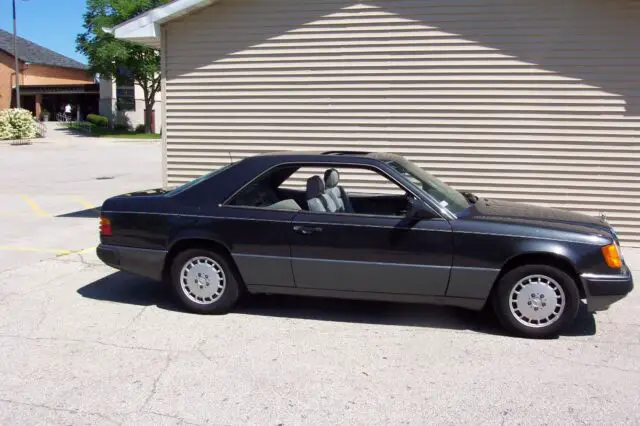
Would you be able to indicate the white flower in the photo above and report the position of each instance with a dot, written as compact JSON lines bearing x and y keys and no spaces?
{"x":17,"y":123}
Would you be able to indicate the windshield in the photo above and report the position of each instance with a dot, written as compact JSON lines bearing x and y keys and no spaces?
{"x":440,"y":191}
{"x":196,"y":181}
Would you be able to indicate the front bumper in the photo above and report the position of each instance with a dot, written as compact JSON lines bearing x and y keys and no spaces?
{"x":144,"y":262}
{"x":603,"y":290}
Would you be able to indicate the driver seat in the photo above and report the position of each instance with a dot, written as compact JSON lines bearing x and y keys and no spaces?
{"x":336,"y":192}
{"x":317,"y":199}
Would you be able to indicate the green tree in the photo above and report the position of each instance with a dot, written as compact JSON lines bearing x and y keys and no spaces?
{"x":108,"y":56}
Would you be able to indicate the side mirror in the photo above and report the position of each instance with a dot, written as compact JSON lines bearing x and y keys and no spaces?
{"x":418,"y":209}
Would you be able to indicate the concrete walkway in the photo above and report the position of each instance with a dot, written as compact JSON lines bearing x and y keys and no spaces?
{"x":58,"y":133}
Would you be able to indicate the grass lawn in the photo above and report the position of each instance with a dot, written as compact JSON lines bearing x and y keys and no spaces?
{"x":104,"y":132}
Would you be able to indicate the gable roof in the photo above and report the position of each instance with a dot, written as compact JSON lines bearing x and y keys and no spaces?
{"x":145,"y":28}
{"x":36,"y":54}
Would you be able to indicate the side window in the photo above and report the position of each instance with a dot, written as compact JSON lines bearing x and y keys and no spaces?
{"x":263,"y":192}
{"x":347,"y":189}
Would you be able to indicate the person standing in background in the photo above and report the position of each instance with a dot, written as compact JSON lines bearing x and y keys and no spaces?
{"x":67,"y":112}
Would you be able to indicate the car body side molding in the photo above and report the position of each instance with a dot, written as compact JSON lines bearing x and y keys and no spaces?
{"x":472,"y":304}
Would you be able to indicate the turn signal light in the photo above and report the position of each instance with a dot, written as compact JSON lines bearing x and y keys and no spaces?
{"x":612,"y":256}
{"x":105,"y":227}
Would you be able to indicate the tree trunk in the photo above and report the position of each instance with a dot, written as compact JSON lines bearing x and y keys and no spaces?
{"x":148,"y":110}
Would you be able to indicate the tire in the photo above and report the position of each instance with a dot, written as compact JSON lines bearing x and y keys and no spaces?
{"x":536,"y":301}
{"x":215,"y":291}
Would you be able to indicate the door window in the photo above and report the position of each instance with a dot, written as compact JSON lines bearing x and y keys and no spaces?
{"x":334,"y":189}
{"x":348,"y":190}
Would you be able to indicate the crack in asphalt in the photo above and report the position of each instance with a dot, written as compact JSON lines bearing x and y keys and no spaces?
{"x":156,"y":381}
{"x":135,"y":319}
{"x":586,"y":364}
{"x":95,"y":342}
{"x":43,"y":314}
{"x":58,"y":409}
{"x":66,"y":258}
{"x":201,"y":352}
{"x":180,"y":419}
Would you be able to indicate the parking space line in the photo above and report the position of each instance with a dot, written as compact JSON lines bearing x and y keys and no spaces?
{"x":83,"y":251}
{"x":34,"y":206}
{"x":57,"y":252}
{"x":84,"y":203}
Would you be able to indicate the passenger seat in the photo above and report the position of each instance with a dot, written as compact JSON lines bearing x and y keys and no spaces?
{"x":317,"y":199}
{"x":336,"y":192}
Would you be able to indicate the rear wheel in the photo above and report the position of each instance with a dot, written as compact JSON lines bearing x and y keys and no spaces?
{"x":204,"y":281}
{"x":536,"y":300}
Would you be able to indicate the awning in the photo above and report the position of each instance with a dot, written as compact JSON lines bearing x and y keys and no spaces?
{"x":145,"y":29}
{"x":59,"y":89}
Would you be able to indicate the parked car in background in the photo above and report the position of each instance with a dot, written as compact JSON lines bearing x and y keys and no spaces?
{"x":310,"y":224}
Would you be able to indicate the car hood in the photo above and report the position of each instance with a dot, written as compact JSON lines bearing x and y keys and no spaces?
{"x":527,"y":214}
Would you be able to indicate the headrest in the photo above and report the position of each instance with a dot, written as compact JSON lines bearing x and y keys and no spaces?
{"x":315,"y":187}
{"x":331,"y":178}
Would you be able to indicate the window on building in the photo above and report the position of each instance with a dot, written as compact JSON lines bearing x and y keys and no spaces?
{"x":125,"y":92}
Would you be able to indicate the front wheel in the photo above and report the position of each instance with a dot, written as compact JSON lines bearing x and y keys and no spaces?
{"x":536,"y":300}
{"x":204,"y":281}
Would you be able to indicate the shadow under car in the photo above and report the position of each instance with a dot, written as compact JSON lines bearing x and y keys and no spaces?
{"x":122,"y":287}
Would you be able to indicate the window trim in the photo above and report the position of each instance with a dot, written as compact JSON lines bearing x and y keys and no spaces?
{"x":376,"y":168}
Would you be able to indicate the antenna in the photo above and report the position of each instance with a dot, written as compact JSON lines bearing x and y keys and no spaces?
{"x":230,"y":158}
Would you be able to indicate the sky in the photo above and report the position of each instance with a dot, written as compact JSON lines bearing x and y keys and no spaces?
{"x":53,"y":24}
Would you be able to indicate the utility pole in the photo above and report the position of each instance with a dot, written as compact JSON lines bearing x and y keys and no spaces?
{"x":15,"y":56}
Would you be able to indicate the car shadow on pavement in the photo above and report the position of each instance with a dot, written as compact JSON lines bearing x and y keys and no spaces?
{"x":87,"y":213}
{"x":121,"y":287}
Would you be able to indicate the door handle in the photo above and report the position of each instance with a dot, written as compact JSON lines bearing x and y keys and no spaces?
{"x":306,"y":230}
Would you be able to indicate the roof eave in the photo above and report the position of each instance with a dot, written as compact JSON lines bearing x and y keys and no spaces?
{"x":145,"y":29}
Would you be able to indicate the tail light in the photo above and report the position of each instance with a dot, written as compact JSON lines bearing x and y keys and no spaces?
{"x":611,"y":254}
{"x":105,"y":227}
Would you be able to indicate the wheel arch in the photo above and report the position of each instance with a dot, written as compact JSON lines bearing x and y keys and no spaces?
{"x":556,"y":260}
{"x":191,"y":242}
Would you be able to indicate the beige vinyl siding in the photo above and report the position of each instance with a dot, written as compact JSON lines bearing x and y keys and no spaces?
{"x":526,"y":100}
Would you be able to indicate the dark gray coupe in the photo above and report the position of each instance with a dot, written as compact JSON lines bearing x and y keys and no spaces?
{"x":309,"y":224}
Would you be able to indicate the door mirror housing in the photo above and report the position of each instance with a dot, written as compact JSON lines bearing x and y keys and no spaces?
{"x":418,"y":209}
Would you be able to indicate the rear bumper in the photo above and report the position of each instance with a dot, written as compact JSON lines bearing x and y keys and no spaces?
{"x":144,"y":262}
{"x":603,"y":290}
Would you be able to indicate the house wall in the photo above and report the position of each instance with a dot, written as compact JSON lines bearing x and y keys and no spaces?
{"x":7,"y":79}
{"x":135,"y":118}
{"x":527,"y":100}
{"x":46,"y":75}
{"x":36,"y":75}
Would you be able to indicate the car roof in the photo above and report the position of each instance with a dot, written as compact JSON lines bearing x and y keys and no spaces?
{"x":358,"y":157}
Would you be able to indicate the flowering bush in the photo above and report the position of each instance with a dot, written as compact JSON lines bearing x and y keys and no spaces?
{"x":17,"y":123}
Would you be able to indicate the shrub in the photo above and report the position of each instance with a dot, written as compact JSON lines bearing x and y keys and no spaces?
{"x":124,"y":127}
{"x":17,"y":123}
{"x":140,"y":128}
{"x":98,"y":120}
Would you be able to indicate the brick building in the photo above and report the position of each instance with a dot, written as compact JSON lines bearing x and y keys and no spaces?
{"x":48,"y":80}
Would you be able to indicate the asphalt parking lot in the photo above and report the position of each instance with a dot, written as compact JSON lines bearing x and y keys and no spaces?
{"x":83,"y":344}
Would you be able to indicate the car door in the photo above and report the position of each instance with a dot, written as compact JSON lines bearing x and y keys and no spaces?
{"x":371,"y":253}
{"x":260,"y":234}
{"x":261,"y":247}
